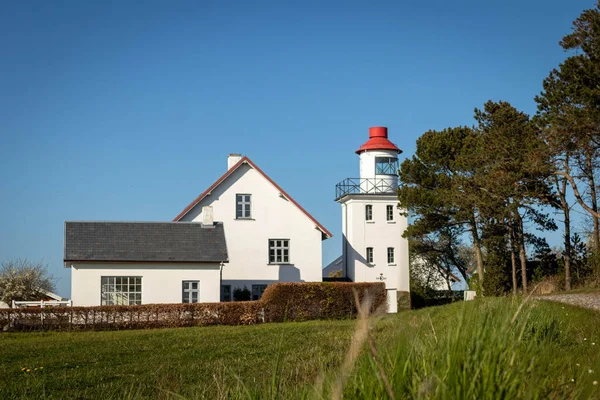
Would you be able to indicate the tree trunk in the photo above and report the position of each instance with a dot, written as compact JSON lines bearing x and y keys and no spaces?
{"x":567,"y":257}
{"x":522,"y":253}
{"x":564,"y":204}
{"x":513,"y":258}
{"x":594,"y":200}
{"x":478,"y":255}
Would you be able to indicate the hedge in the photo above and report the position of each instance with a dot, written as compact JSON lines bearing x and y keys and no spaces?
{"x":280,"y":302}
{"x":318,"y":300}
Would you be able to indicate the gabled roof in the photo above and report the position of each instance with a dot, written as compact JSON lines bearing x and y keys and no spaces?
{"x":170,"y":242}
{"x":246,"y":160}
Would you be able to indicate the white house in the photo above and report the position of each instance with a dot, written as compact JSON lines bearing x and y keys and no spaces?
{"x":373,"y":248}
{"x":270,"y":237}
{"x":263,"y":236}
{"x":125,"y":263}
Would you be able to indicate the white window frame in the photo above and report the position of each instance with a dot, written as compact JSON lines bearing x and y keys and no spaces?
{"x":281,"y":251}
{"x":369,"y":212}
{"x":392,"y":253}
{"x":117,"y":290}
{"x":389,"y":211}
{"x":241,"y":200}
{"x":255,"y":289}
{"x":370,"y":255}
{"x":386,"y":166}
{"x":187,"y":287}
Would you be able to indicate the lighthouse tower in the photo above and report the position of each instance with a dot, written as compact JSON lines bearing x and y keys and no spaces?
{"x":373,"y":248}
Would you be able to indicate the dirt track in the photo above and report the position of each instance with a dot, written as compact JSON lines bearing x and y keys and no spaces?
{"x":587,"y":300}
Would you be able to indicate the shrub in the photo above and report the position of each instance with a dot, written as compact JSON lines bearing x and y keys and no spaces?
{"x":241,"y":294}
{"x":281,"y":301}
{"x":130,"y":317}
{"x":318,"y":300}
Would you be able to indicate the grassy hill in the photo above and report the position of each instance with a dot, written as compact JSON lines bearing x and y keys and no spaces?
{"x":484,"y":349}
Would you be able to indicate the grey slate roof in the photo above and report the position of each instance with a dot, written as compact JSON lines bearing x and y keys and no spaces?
{"x":145,"y":242}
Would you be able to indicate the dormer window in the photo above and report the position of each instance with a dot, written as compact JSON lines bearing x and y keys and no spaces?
{"x":243,"y":206}
{"x":386,"y":166}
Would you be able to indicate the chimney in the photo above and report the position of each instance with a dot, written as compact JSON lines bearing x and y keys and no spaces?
{"x":378,"y":131}
{"x":233,"y":159}
{"x":207,"y":217}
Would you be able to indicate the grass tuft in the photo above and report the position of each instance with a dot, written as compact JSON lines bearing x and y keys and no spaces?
{"x":487,"y":349}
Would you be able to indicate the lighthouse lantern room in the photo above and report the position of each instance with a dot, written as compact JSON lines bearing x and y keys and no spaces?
{"x":373,"y":248}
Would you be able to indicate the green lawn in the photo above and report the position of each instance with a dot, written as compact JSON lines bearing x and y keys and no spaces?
{"x":465,"y":350}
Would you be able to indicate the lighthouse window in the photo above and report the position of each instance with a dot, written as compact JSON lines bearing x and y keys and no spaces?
{"x":368,"y":212}
{"x":369,"y":255}
{"x":279,"y":251}
{"x":390,"y":255}
{"x":390,"y":213}
{"x":386,"y":166}
{"x":242,"y":207}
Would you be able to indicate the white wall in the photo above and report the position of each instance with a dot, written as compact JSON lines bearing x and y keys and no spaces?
{"x":161,"y":283}
{"x":273,"y":217}
{"x":379,"y":234}
{"x":367,"y":170}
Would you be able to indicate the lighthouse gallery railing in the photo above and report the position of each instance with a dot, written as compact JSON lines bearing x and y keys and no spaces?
{"x":363,"y":186}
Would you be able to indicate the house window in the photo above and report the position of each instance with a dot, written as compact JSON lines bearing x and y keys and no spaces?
{"x":257,"y":291}
{"x":243,"y":202}
{"x":369,"y":255}
{"x":386,"y":166}
{"x":190,"y":292}
{"x":390,"y":255}
{"x":369,"y":212}
{"x":226,"y":293}
{"x":121,"y":290}
{"x":279,"y":251}
{"x":390,"y":213}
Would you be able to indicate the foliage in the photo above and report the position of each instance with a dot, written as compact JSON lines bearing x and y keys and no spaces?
{"x":319,"y":300}
{"x":22,"y":280}
{"x":438,"y":190}
{"x":434,"y":353}
{"x":240,"y":294}
{"x":280,"y":302}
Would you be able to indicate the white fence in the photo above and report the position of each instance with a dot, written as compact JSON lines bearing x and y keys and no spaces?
{"x":42,"y":303}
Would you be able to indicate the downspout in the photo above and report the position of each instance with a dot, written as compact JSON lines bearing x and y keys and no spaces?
{"x":221,"y":265}
{"x":345,"y":239}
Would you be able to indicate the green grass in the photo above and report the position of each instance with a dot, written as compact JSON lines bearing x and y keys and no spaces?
{"x":468,"y":350}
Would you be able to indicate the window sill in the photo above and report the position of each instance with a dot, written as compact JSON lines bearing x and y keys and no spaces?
{"x":392,"y":265}
{"x":281,"y":263}
{"x":391,"y":222}
{"x":370,"y":222}
{"x":244,"y":219}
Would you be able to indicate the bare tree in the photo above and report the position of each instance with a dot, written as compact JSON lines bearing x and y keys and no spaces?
{"x":22,"y":280}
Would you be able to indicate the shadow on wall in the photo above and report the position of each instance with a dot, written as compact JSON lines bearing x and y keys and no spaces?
{"x":353,"y":254}
{"x":255,"y":287}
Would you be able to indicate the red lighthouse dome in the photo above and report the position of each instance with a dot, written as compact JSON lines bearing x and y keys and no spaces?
{"x":378,"y":140}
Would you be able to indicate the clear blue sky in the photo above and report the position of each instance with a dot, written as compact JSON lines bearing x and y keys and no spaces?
{"x":126,"y":111}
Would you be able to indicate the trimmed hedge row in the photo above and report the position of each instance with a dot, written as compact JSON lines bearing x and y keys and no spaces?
{"x":319,"y":300}
{"x":280,"y":302}
{"x":130,"y":317}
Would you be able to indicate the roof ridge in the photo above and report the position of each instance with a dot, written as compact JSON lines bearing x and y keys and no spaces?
{"x":230,"y":171}
{"x":139,"y":222}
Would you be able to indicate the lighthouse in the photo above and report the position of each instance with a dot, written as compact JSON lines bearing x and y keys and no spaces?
{"x":373,"y":249}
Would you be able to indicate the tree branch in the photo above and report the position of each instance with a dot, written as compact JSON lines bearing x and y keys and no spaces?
{"x":577,"y":194}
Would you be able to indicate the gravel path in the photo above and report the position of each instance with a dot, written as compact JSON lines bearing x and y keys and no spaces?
{"x":587,"y":300}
